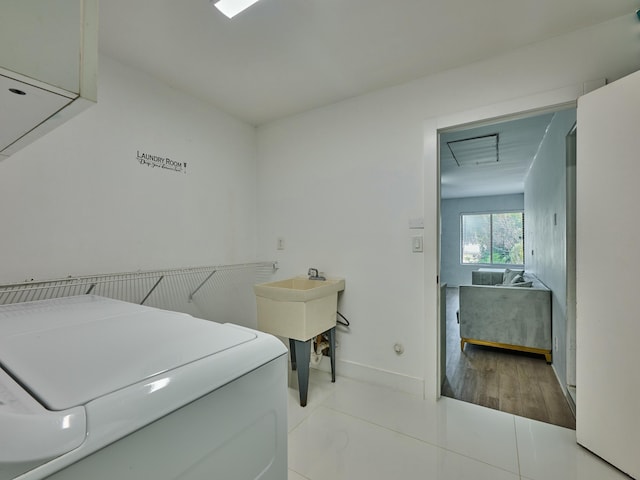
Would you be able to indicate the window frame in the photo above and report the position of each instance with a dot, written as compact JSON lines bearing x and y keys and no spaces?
{"x":491,"y":213}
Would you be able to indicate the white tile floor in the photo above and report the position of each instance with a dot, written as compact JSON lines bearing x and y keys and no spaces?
{"x":352,"y":430}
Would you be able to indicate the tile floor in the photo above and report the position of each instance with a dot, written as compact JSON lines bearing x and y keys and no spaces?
{"x":352,"y":430}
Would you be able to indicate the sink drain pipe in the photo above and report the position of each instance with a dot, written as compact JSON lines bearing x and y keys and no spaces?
{"x":321,"y":342}
{"x":316,"y":354}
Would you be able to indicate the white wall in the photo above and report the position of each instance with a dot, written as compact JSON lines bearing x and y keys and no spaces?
{"x":341,"y":199}
{"x":78,"y":202}
{"x":545,"y":227}
{"x":452,"y":272}
{"x":340,"y":184}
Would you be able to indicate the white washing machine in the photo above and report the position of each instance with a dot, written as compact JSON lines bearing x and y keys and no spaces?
{"x":94,"y":388}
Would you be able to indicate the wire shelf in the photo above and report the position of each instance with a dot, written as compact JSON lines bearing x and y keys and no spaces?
{"x":162,"y":288}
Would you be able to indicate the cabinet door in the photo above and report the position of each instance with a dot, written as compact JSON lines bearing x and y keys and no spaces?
{"x":21,"y":113}
{"x":41,"y":39}
{"x":607,"y":266}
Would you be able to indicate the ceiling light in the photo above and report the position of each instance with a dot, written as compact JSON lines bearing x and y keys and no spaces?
{"x":232,"y":7}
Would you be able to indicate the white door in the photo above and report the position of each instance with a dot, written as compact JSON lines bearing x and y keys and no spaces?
{"x":608,"y":273}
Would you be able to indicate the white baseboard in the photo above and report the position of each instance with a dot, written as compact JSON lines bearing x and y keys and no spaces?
{"x":376,"y":376}
{"x":565,"y":391}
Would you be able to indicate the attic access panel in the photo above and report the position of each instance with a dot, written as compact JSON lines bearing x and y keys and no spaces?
{"x":473,"y":151}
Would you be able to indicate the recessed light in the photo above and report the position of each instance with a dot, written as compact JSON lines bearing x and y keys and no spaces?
{"x":232,"y":7}
{"x":17,"y":92}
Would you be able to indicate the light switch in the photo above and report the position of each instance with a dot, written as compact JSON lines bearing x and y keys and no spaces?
{"x":416,"y":243}
{"x":280,"y":244}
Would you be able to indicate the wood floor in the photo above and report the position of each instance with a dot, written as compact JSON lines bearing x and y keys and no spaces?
{"x":514,"y":382}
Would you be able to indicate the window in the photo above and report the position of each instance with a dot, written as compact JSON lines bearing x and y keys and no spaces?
{"x":492,"y":238}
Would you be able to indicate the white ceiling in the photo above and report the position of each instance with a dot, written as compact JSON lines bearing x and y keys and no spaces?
{"x":282,"y":57}
{"x":518,"y":144}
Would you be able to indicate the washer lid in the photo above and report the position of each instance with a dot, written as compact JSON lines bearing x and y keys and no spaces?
{"x":69,"y":351}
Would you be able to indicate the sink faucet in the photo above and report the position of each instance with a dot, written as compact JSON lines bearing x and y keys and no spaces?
{"x":313,"y":274}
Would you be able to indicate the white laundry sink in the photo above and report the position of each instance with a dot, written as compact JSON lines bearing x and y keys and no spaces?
{"x":298,"y":308}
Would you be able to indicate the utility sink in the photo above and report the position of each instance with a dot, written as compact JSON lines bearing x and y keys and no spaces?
{"x":298,"y":308}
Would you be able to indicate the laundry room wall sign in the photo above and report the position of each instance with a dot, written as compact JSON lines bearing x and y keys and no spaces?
{"x":156,"y":161}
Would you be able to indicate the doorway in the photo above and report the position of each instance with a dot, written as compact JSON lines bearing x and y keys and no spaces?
{"x":483,"y":168}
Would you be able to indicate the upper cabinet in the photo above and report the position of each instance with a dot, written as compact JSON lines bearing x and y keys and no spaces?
{"x":48,"y":66}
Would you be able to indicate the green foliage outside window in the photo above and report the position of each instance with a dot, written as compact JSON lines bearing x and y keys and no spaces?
{"x":493,"y":238}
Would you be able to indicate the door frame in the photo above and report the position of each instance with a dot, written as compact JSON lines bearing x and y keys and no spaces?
{"x":571,"y":184}
{"x":508,"y":110}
